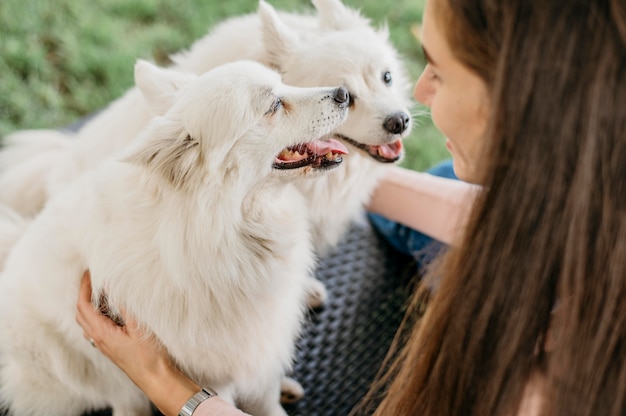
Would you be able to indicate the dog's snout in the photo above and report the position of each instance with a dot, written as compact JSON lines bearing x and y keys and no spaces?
{"x":396,"y":123}
{"x":342,"y":96}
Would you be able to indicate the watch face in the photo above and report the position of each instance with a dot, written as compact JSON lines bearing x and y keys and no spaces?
{"x":209,"y":391}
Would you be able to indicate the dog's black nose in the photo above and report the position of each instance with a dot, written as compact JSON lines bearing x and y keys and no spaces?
{"x":396,"y":123}
{"x":342,"y":96}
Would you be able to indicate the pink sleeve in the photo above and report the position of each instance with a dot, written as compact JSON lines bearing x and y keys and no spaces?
{"x":435,"y":206}
{"x":217,"y":407}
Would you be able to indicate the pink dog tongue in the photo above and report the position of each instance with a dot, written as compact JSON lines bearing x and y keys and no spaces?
{"x":388,"y":151}
{"x":322,"y":147}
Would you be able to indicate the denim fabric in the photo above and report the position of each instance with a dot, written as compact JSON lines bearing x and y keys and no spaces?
{"x":408,"y":241}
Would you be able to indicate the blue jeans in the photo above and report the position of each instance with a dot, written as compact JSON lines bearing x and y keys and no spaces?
{"x":406,"y":240}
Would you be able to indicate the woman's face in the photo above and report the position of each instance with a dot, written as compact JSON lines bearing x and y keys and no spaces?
{"x":457,"y":97}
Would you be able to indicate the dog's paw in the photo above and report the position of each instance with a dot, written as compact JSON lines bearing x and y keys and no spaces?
{"x":290,"y":390}
{"x":316,"y":293}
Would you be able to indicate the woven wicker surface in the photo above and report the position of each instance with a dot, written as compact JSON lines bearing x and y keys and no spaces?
{"x":345,"y":342}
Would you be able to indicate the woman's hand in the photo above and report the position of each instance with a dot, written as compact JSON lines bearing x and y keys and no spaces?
{"x":139,"y":355}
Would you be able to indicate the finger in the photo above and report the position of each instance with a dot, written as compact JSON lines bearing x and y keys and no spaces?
{"x":85,"y":325}
{"x":80,"y":319}
{"x":127,"y":319}
{"x":88,"y":317}
{"x":84,"y":302}
{"x":87,"y":279}
{"x":84,"y":292}
{"x":86,"y":321}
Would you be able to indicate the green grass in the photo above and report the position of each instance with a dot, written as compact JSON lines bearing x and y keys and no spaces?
{"x":63,"y":59}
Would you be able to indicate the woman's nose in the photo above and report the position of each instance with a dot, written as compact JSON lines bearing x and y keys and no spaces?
{"x":424,"y":89}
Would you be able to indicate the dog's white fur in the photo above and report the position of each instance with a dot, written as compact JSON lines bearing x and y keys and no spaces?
{"x":336,"y":47}
{"x":12,"y":226}
{"x":190,"y":232}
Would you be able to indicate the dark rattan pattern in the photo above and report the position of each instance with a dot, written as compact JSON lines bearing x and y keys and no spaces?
{"x":345,"y":342}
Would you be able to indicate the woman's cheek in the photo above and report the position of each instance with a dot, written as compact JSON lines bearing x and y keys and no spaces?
{"x":439,"y":117}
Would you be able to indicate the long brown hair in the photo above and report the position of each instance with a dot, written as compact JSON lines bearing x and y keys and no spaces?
{"x":544,"y":254}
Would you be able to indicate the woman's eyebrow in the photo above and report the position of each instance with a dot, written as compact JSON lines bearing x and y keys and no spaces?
{"x":429,"y":59}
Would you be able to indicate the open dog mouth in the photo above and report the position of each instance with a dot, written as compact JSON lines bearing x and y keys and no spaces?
{"x":384,"y":153}
{"x":319,"y":154}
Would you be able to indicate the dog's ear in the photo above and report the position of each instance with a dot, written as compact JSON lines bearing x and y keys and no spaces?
{"x":278,"y":38}
{"x":159,"y":86}
{"x":334,"y":14}
{"x":383,"y":31}
{"x":169,"y":151}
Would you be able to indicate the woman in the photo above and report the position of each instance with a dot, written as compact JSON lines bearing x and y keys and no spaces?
{"x":549,"y":231}
{"x":529,"y":317}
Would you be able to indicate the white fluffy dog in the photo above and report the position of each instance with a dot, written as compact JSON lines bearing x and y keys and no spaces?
{"x":336,"y":47}
{"x":189,"y":231}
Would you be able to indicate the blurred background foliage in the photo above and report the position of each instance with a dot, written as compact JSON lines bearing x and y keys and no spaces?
{"x":61,"y":60}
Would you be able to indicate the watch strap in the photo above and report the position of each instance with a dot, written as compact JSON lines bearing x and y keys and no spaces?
{"x":195,"y":401}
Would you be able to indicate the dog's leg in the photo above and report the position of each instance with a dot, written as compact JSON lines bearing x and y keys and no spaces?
{"x":267,"y":404}
{"x":316,"y":293}
{"x":290,"y":390}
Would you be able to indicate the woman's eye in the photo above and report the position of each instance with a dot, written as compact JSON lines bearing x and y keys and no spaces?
{"x":387,"y":79}
{"x":432,"y":75}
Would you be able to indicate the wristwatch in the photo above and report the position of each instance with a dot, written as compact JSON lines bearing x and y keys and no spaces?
{"x":195,"y":401}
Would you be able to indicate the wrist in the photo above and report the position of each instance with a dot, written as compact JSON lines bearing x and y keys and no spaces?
{"x":168,"y":388}
{"x":190,"y":406}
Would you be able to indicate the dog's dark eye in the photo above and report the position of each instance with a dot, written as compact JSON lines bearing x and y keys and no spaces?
{"x":276,"y":105}
{"x":387,"y":79}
